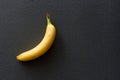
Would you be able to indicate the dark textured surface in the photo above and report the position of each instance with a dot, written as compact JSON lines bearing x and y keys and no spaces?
{"x":87,"y":45}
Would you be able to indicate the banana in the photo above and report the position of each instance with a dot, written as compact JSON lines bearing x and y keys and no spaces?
{"x":43,"y":46}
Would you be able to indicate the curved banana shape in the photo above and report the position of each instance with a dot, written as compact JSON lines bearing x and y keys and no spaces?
{"x":42,"y":47}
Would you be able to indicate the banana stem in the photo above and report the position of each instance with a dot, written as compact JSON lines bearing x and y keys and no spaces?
{"x":48,"y":18}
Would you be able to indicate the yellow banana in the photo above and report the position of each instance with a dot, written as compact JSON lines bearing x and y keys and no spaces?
{"x":43,"y":46}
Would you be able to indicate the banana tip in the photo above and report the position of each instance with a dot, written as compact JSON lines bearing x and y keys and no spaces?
{"x":17,"y":57}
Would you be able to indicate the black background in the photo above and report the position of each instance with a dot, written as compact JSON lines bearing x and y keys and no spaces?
{"x":87,"y":45}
